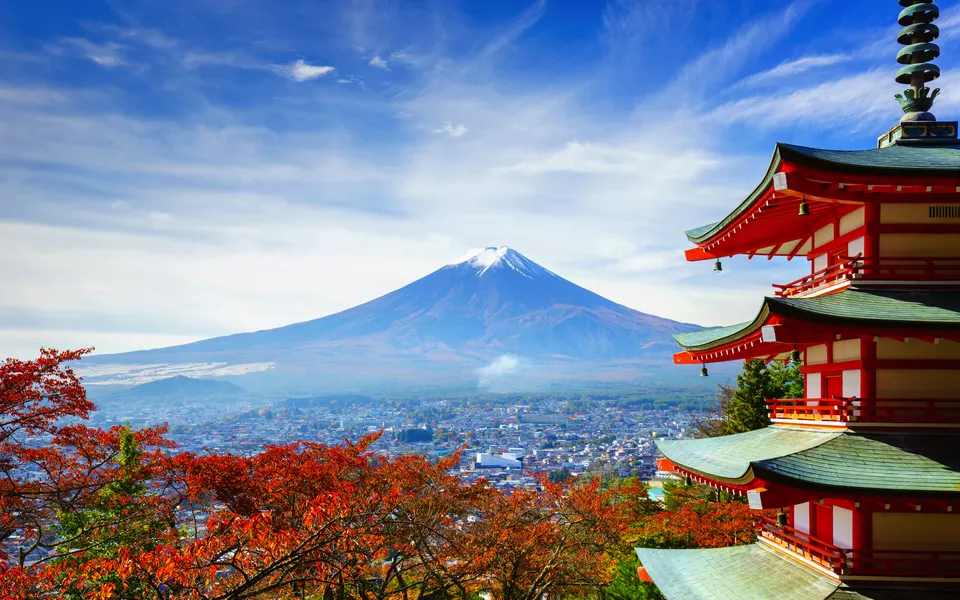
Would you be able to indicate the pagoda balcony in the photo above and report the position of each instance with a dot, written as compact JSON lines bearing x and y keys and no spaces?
{"x":861,"y":563}
{"x":826,"y":555}
{"x":903,"y":270}
{"x":865,"y":410}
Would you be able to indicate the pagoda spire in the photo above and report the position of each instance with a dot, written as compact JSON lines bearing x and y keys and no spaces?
{"x":917,"y":37}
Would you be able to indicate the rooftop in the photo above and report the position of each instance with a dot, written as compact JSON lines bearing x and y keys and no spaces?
{"x":895,"y":464}
{"x":929,"y":310}
{"x":758,"y":571}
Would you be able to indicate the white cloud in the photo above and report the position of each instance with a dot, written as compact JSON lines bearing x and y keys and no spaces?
{"x":301,"y":71}
{"x":245,"y":207}
{"x":856,"y":100}
{"x":107,"y":55}
{"x":403,"y":57}
{"x":379,"y":63}
{"x":501,"y":366}
{"x":715,"y":66}
{"x":153,"y":38}
{"x":451,"y":129}
{"x":798,"y":66}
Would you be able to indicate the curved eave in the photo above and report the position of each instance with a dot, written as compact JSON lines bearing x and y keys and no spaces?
{"x":703,"y":234}
{"x":729,"y":459}
{"x":861,"y":310}
{"x":937,"y":162}
{"x":722,"y":336}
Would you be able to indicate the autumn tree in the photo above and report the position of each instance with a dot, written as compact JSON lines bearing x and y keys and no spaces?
{"x":120,"y":516}
{"x":114,"y":514}
{"x":88,"y":501}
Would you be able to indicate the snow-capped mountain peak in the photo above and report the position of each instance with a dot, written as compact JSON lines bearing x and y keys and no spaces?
{"x":484,"y":259}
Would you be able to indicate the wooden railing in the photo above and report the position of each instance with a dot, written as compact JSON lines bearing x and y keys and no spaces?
{"x":807,"y":546}
{"x":907,"y":269}
{"x":862,"y":562}
{"x":841,"y":271}
{"x":874,"y":269}
{"x":867,"y":410}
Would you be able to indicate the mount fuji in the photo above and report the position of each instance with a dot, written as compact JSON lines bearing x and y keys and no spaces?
{"x":492,"y":315}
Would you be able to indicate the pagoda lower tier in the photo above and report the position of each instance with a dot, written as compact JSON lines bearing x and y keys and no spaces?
{"x":848,"y":510}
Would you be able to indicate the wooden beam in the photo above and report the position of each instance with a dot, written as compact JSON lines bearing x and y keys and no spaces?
{"x":795,"y":251}
{"x":775,"y":250}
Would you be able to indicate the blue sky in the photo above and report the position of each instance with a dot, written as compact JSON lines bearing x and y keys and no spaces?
{"x":173,"y":170}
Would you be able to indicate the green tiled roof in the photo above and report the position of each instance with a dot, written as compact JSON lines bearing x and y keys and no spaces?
{"x":730,"y":457}
{"x":910,"y":159}
{"x":943,"y":161}
{"x":757,"y":572}
{"x":916,"y":464}
{"x":852,"y":306}
{"x":910,"y":464}
{"x":711,"y":337}
{"x":753,"y":572}
{"x":879,"y":307}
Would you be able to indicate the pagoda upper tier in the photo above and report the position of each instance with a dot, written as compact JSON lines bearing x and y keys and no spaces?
{"x":862,"y":202}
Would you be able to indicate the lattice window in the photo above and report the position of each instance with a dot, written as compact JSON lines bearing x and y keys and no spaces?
{"x":945,"y":212}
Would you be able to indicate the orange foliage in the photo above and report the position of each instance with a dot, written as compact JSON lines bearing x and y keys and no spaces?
{"x":300,"y":520}
{"x":296,"y":520}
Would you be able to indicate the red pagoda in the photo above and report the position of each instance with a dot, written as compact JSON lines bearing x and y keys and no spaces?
{"x":864,"y":472}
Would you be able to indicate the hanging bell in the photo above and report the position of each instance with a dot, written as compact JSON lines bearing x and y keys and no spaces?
{"x":795,"y":357}
{"x":718,"y":266}
{"x":783,"y":519}
{"x":804,"y":209}
{"x":704,"y":372}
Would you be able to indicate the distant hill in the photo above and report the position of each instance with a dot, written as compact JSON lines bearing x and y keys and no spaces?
{"x":491,"y":318}
{"x":180,"y":387}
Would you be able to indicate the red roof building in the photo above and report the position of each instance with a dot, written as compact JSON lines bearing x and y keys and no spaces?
{"x":865,"y":470}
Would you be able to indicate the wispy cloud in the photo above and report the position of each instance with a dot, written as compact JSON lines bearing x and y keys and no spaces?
{"x":300,"y":70}
{"x":153,"y":38}
{"x":527,"y":19}
{"x":404,"y":57}
{"x":855,"y":101}
{"x":451,"y":129}
{"x":222,"y":200}
{"x":107,"y":55}
{"x":379,"y":63}
{"x":798,"y":66}
{"x":715,"y":66}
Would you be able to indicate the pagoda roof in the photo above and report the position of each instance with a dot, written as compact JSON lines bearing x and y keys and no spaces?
{"x":903,"y":464}
{"x":738,"y":572}
{"x":907,"y":159}
{"x":758,"y":571}
{"x":901,"y":161}
{"x":853,"y":306}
